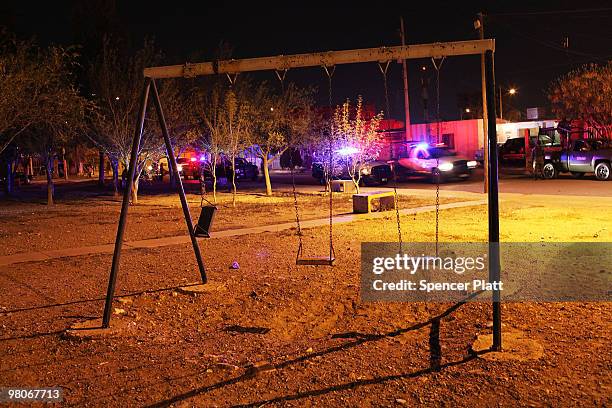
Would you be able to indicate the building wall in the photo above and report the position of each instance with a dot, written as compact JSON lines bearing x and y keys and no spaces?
{"x":465,"y":136}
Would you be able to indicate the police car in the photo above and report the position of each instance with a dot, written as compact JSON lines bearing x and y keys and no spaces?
{"x":424,"y":159}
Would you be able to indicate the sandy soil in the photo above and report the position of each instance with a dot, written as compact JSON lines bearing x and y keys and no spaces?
{"x":313,"y":341}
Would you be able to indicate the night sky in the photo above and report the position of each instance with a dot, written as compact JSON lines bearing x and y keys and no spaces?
{"x":529,"y":39}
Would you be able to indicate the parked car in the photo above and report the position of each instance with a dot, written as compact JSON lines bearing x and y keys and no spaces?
{"x":372,"y":173}
{"x":188,"y":167}
{"x":583,"y":156}
{"x":244,"y":169}
{"x":423,"y":159}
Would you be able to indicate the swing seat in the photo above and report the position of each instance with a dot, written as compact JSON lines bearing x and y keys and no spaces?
{"x":207,"y":215}
{"x":316,"y":261}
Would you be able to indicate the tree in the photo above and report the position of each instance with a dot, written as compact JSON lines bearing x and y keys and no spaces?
{"x":36,"y":91}
{"x":56,"y":113}
{"x":357,"y":139}
{"x":281,"y":121}
{"x":585,"y":93}
{"x":239,"y":125}
{"x":21,"y":86}
{"x":116,"y":84}
{"x":210,"y":110}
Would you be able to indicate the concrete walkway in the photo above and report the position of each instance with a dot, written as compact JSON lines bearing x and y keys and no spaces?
{"x":183,"y":239}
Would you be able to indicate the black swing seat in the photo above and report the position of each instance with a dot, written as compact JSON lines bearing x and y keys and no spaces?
{"x":207,"y":215}
{"x":316,"y":261}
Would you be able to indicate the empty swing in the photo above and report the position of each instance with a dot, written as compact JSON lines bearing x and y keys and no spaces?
{"x":207,"y":216}
{"x":320,"y":260}
{"x":207,"y":212}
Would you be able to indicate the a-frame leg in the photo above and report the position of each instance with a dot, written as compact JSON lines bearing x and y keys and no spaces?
{"x":181,"y":190}
{"x":126,"y":203}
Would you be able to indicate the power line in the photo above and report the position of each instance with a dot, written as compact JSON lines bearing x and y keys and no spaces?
{"x":539,"y":13}
{"x":556,"y":47}
{"x":545,"y":67}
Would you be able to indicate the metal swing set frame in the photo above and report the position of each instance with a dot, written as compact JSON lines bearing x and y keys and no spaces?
{"x":327,"y":60}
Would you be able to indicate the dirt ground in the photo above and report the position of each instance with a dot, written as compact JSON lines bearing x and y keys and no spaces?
{"x":275,"y":334}
{"x":92,"y":220}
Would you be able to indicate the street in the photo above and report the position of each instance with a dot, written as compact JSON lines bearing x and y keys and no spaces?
{"x":508,"y":183}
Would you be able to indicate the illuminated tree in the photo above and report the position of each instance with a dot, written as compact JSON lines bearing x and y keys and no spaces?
{"x":585,"y":93}
{"x":357,"y":140}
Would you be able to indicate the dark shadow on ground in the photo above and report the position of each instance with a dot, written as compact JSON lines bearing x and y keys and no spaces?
{"x":246,"y":329}
{"x":251,"y":372}
{"x":33,"y":335}
{"x":76,"y":302}
{"x":355,"y":384}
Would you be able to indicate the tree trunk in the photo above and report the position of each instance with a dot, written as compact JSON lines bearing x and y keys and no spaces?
{"x":214,"y":174}
{"x":49,"y":161}
{"x":101,"y":165}
{"x":8,"y":186}
{"x":135,"y":190}
{"x":65,"y":162}
{"x":234,"y":182}
{"x":266,"y":171}
{"x":172,"y":177}
{"x":356,"y":182}
{"x":214,"y":186}
{"x":115,"y":167}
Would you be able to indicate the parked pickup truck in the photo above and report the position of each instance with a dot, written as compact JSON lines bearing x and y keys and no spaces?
{"x":583,"y":156}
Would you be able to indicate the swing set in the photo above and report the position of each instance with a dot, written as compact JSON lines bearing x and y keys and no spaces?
{"x":328,"y":61}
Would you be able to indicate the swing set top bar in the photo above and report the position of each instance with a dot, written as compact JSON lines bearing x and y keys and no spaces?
{"x":329,"y":58}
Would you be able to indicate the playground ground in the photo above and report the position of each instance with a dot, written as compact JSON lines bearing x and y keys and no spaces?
{"x":274,"y":334}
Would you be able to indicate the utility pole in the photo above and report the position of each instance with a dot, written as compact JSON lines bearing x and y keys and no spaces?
{"x":501,"y":106}
{"x":479,"y":24}
{"x":405,"y":74}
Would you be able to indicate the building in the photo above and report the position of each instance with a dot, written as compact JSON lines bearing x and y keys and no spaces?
{"x":466,"y":137}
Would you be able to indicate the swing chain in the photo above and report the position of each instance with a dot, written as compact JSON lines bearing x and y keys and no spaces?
{"x":232,"y":78}
{"x":295,"y":202}
{"x":437,"y":175}
{"x":384,"y":68}
{"x":330,"y":73}
{"x":384,"y":71}
{"x":281,"y":74}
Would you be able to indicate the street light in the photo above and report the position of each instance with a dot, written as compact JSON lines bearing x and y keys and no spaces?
{"x":511,"y":91}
